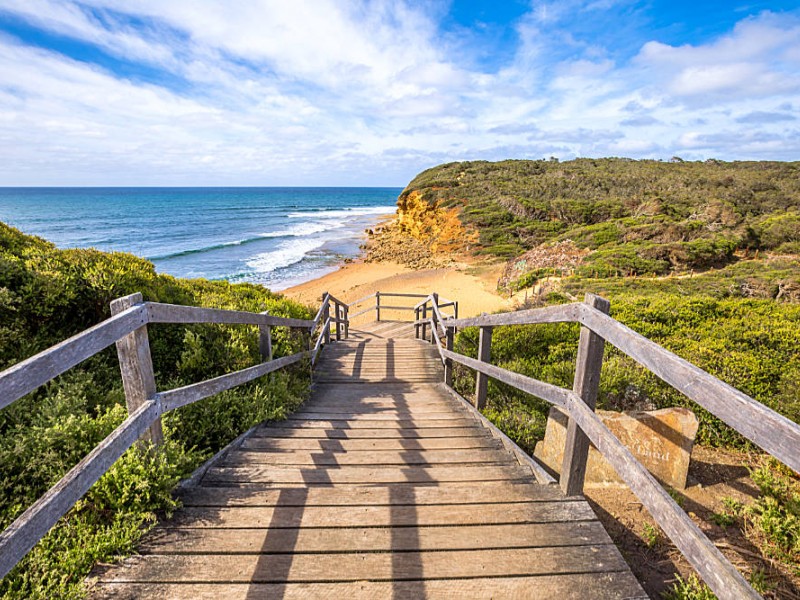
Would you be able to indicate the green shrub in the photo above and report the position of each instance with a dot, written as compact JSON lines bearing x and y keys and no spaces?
{"x":47,"y":295}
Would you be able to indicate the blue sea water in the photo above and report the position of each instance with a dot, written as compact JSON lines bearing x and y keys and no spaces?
{"x":277,"y":237}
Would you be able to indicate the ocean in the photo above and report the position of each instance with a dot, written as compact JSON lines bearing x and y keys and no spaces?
{"x":276,"y":237}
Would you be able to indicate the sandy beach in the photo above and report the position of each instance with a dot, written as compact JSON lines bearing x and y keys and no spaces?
{"x":473,"y":286}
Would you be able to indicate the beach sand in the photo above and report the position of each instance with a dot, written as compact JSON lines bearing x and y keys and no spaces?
{"x":473,"y":286}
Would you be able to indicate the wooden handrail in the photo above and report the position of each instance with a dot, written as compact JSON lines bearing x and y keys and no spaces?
{"x":761,"y":425}
{"x":771,"y":431}
{"x":189,"y":394}
{"x":720,"y":575}
{"x":29,"y":374}
{"x":714,"y":568}
{"x":360,"y":300}
{"x":24,"y":377}
{"x":177,"y":313}
{"x":18,"y":539}
{"x":318,"y":316}
{"x":563,"y":313}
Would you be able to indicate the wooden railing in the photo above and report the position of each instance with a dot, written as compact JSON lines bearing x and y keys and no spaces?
{"x":128,"y":328}
{"x":380,"y":304}
{"x":325,"y":323}
{"x":776,"y":434}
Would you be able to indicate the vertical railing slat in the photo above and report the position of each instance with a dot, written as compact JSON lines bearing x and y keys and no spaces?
{"x":484,"y":355}
{"x":265,"y":340}
{"x":587,"y":383}
{"x":136,"y":366}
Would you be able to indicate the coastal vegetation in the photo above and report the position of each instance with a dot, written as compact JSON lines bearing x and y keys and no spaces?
{"x":701,"y":258}
{"x":637,"y":217}
{"x":47,"y":295}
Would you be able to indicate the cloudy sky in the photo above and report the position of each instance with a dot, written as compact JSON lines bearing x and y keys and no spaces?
{"x":340,"y":92}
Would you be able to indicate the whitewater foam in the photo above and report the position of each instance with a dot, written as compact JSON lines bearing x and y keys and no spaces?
{"x":285,"y":255}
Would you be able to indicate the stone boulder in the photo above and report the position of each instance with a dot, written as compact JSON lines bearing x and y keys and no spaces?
{"x":661,"y":440}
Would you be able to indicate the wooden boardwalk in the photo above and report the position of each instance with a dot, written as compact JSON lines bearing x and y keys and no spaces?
{"x":384,"y":485}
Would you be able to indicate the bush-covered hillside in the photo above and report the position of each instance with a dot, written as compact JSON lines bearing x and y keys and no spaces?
{"x":636,"y":217}
{"x":47,"y":295}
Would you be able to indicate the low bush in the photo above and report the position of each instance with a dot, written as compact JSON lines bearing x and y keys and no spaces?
{"x":47,"y":295}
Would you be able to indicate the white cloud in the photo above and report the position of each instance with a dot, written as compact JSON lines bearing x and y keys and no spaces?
{"x":366,"y":93}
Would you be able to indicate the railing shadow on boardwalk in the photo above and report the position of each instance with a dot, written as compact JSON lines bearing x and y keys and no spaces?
{"x":404,"y":544}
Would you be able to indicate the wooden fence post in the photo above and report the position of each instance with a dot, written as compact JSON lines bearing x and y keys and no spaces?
{"x":587,"y":383}
{"x":265,"y":340}
{"x":136,"y":366}
{"x":424,"y":318}
{"x":338,"y":310}
{"x":326,"y":314}
{"x":416,"y":325}
{"x":448,"y":363}
{"x":434,"y":302}
{"x":484,"y":355}
{"x":378,"y":306}
{"x":455,"y":309}
{"x":346,"y":322}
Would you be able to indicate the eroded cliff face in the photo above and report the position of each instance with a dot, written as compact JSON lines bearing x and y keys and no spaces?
{"x":438,"y":227}
{"x":423,"y":235}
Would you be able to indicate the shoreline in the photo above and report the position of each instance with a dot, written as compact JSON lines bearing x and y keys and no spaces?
{"x":472,"y":285}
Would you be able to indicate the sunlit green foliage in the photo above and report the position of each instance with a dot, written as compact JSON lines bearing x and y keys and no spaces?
{"x":47,"y":295}
{"x":643,"y":217}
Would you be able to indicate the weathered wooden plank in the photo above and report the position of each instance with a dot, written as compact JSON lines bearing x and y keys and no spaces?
{"x":274,"y":431}
{"x":369,"y":445}
{"x":587,"y":383}
{"x":275,"y":517}
{"x":598,"y":586}
{"x":176,"y":313}
{"x":386,"y":424}
{"x":325,"y":331}
{"x":540,"y":389}
{"x":29,"y":374}
{"x":378,"y":566}
{"x":564,"y":313}
{"x":265,"y":340}
{"x":720,"y":575}
{"x":397,"y":408}
{"x":194,"y":540}
{"x":379,"y":416}
{"x":34,"y":523}
{"x":136,"y":368}
{"x":354,"y":495}
{"x":771,"y":431}
{"x":360,"y":300}
{"x":385,"y":380}
{"x":403,"y":295}
{"x":188,"y":394}
{"x":408,"y":456}
{"x":448,"y":362}
{"x":365,"y":475}
{"x":485,"y":356}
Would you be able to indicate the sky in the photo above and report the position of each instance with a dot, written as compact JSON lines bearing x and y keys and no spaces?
{"x":370,"y":93}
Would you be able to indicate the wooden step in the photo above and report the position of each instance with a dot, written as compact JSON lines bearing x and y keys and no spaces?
{"x":354,"y":495}
{"x":378,"y":566}
{"x":415,"y":423}
{"x":575,"y":586}
{"x":375,"y":457}
{"x":251,"y":540}
{"x":368,"y":445}
{"x":275,"y":517}
{"x":321,"y":432}
{"x":361,"y":475}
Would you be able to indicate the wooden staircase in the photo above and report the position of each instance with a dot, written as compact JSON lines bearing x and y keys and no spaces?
{"x":384,"y":485}
{"x":387,"y":482}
